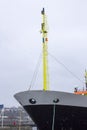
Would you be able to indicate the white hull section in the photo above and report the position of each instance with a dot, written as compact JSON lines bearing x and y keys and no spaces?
{"x":48,"y":97}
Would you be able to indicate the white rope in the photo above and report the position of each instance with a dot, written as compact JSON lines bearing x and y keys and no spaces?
{"x":53,"y":121}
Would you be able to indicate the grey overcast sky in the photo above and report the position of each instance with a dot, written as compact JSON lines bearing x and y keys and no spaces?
{"x":20,"y":45}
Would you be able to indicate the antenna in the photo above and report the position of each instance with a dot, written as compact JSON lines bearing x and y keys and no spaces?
{"x":44,"y":32}
{"x":86,"y":78}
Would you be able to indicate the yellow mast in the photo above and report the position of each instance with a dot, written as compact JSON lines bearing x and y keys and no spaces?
{"x":44,"y":32}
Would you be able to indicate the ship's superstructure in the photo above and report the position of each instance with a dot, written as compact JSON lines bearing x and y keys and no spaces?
{"x":53,"y":110}
{"x":84,"y":90}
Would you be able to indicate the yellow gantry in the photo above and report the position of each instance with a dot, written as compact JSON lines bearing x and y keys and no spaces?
{"x":44,"y":32}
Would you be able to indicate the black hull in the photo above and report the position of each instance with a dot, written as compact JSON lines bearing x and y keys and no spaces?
{"x":62,"y":118}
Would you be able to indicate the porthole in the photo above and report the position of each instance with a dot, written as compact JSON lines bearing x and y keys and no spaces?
{"x":32,"y":101}
{"x":56,"y":100}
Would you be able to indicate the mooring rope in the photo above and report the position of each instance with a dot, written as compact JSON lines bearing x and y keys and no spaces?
{"x":53,"y":120}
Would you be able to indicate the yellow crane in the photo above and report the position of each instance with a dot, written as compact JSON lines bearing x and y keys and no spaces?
{"x":44,"y":32}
